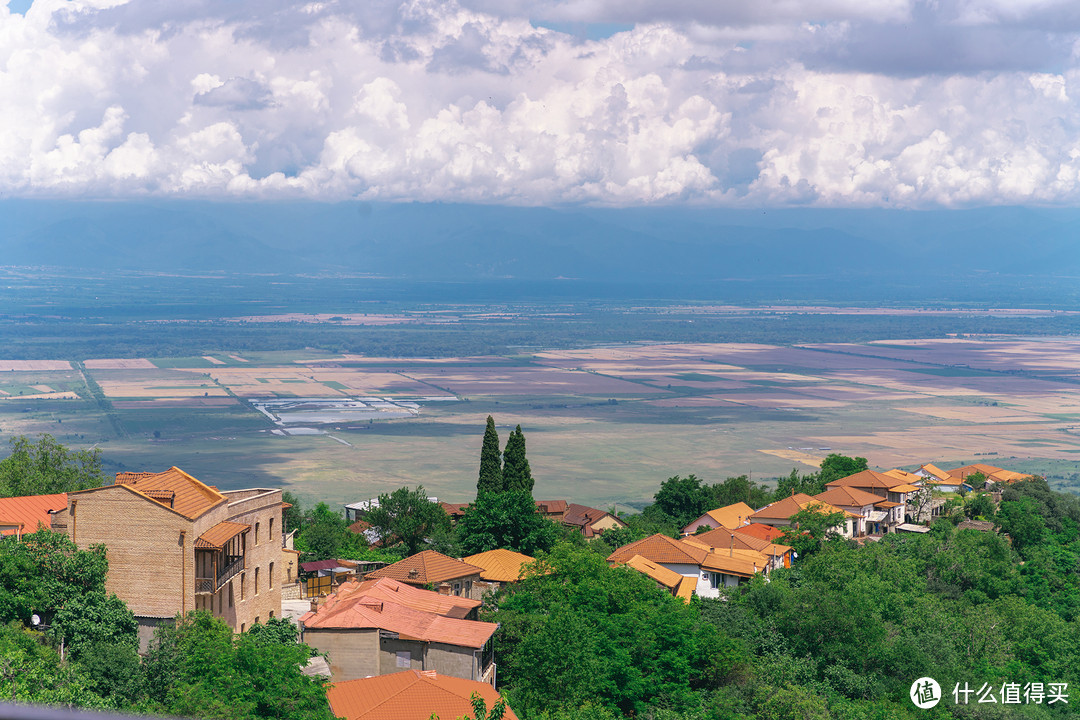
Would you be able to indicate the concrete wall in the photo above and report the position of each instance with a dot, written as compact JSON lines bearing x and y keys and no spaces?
{"x":352,"y":653}
{"x":451,"y":660}
{"x":388,"y":650}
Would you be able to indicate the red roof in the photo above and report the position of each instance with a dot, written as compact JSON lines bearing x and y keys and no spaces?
{"x":409,"y":695}
{"x":391,"y":590}
{"x":357,"y":609}
{"x":173,"y":488}
{"x":30,"y":511}
{"x":660,"y":549}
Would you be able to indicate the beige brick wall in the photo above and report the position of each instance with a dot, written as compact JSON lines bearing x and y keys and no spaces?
{"x":352,"y":653}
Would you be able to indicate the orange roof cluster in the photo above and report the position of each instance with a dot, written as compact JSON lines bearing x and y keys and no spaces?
{"x":990,"y":471}
{"x":500,"y":565}
{"x":841,"y":496}
{"x":23,"y":515}
{"x":359,"y":609}
{"x":426,"y":567}
{"x":173,"y":489}
{"x":409,"y":695}
{"x":660,"y":549}
{"x":721,"y":538}
{"x":390,"y":590}
{"x":667,"y":578}
{"x":867,"y":479}
{"x":936,"y":472}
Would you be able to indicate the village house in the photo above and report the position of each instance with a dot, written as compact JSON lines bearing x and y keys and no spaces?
{"x":992,"y":473}
{"x":729,"y":516}
{"x":940,"y":480}
{"x":432,"y":569}
{"x":778,"y":514}
{"x":175,"y":544}
{"x":710,"y":571}
{"x":720,"y":539}
{"x":383,"y":626}
{"x":590,"y":521}
{"x":409,"y":695}
{"x":875,"y":515}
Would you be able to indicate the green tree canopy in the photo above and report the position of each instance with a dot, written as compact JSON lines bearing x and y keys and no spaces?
{"x":201,"y":668}
{"x":811,"y":527}
{"x":46,"y":467}
{"x":836,"y":466}
{"x":683,"y":499}
{"x":407,"y":516}
{"x":490,"y":480}
{"x":32,"y":672}
{"x":46,"y":571}
{"x":324,"y":533}
{"x":505,"y":520}
{"x":516,"y":474}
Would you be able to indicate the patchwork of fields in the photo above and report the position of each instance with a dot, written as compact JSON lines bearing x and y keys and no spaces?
{"x":603,"y":424}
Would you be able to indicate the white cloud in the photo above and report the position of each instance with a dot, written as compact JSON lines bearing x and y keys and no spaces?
{"x":769,"y":103}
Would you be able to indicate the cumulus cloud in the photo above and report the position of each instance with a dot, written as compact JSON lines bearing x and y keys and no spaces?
{"x":893,"y":102}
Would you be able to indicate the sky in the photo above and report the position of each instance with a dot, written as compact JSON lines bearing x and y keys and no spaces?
{"x":613,"y":103}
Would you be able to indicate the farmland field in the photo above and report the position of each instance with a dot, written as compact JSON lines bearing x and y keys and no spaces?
{"x":604,"y":424}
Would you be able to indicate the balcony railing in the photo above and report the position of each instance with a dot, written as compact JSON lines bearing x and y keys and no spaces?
{"x":226,"y":571}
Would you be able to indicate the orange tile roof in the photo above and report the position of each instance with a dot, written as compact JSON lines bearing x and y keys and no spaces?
{"x":686,"y":589}
{"x":848,"y":497}
{"x":216,"y":537}
{"x":426,"y":567}
{"x":745,"y":563}
{"x":935,"y":471}
{"x":903,"y":475}
{"x":784,"y":509}
{"x":761,"y":530}
{"x":409,"y":695}
{"x":659,"y":549}
{"x":551,"y":507}
{"x":454,"y":509}
{"x":904,"y":488}
{"x":358,"y":610}
{"x":732,"y":516}
{"x":963,"y":472}
{"x":190,"y":497}
{"x":500,"y":565}
{"x":29,"y":511}
{"x":867,"y":479}
{"x":391,"y":590}
{"x":722,"y":538}
{"x":668,"y":578}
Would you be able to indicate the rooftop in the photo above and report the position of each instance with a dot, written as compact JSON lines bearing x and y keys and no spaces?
{"x":173,"y":489}
{"x":427,"y":567}
{"x":23,"y":514}
{"x":500,"y":565}
{"x":409,"y":695}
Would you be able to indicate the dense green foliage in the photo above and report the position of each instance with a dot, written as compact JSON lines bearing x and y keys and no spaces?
{"x":201,"y":668}
{"x":490,"y":479}
{"x":46,"y":467}
{"x":32,"y":672}
{"x":810,"y":528}
{"x":408,"y":518}
{"x":505,"y":520}
{"x":516,"y":474}
{"x":605,"y":636}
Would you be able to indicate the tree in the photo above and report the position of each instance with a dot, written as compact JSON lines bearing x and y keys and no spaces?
{"x":200,"y":668}
{"x":684,"y":499}
{"x":809,"y":484}
{"x":46,"y":467}
{"x":490,"y":480}
{"x":294,"y":515}
{"x":809,"y":528}
{"x":32,"y":672}
{"x":836,"y":466}
{"x":982,"y":505}
{"x":505,"y":520}
{"x":91,"y":619}
{"x":46,"y":571}
{"x":1022,"y":521}
{"x":323,"y":535}
{"x":740,"y":489}
{"x":407,"y":516}
{"x":516,"y":474}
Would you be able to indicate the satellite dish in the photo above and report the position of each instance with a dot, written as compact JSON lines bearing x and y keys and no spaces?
{"x":35,"y":619}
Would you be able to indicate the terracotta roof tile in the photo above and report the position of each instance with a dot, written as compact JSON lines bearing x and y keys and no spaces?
{"x":190,"y":497}
{"x":784,"y":509}
{"x":390,"y":590}
{"x":551,"y":507}
{"x":29,"y":511}
{"x":659,"y":549}
{"x":500,"y":565}
{"x":848,"y":497}
{"x":761,"y":530}
{"x":935,"y":471}
{"x":409,"y":695}
{"x":668,"y":578}
{"x":426,"y":567}
{"x":358,"y":609}
{"x":216,"y":537}
{"x":867,"y":479}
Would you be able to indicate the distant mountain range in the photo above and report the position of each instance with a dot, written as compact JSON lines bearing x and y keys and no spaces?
{"x":473,"y":242}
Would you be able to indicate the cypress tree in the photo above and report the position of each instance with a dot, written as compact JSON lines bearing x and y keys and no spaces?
{"x":517,"y":476}
{"x":491,"y":476}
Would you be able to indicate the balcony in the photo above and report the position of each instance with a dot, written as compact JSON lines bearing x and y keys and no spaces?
{"x":226,"y":567}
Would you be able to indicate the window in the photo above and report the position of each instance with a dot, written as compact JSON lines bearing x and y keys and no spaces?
{"x":270,"y":577}
{"x":256,"y":533}
{"x":242,"y":583}
{"x":404,"y":659}
{"x":457,"y":588}
{"x":256,"y":583}
{"x":242,"y":627}
{"x":256,"y":619}
{"x":271,"y":614}
{"x":230,"y":594}
{"x":270,"y":530}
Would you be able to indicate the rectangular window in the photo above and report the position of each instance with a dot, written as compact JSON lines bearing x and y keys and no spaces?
{"x":242,"y":627}
{"x":270,"y":577}
{"x":256,"y":581}
{"x":242,"y":584}
{"x":404,"y":659}
{"x":270,"y":530}
{"x":230,"y":594}
{"x":457,"y":588}
{"x":271,"y":614}
{"x":256,"y":533}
